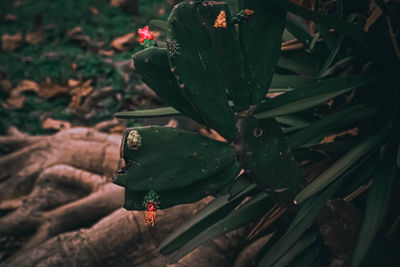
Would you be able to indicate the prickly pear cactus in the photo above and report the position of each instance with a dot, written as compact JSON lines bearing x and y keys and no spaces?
{"x":215,"y":65}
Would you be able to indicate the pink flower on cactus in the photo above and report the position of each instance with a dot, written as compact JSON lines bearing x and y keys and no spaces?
{"x":145,"y":34}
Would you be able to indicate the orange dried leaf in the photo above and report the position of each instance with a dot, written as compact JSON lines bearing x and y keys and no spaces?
{"x":48,"y":89}
{"x":50,"y":123}
{"x":107,"y":53}
{"x":74,"y":31}
{"x":78,"y":91}
{"x":11,"y":42}
{"x":5,"y":85}
{"x":332,"y":138}
{"x":117,"y":2}
{"x":372,"y":18}
{"x":119,"y":42}
{"x":10,"y":17}
{"x":34,"y":37}
{"x":212,"y":134}
{"x":14,"y":102}
{"x":73,"y":83}
{"x":27,"y":85}
{"x":94,"y":10}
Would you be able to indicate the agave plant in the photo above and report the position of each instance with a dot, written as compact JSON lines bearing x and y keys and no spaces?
{"x":332,"y":131}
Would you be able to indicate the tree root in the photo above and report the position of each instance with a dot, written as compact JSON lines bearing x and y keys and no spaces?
{"x":59,"y":208}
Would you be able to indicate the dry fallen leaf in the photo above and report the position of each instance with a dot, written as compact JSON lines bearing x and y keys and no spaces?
{"x":34,"y":37}
{"x":332,"y":138}
{"x":49,"y":90}
{"x":27,"y":85}
{"x":73,"y":83}
{"x":5,"y":85}
{"x":50,"y":123}
{"x":212,"y":135}
{"x":372,"y":18}
{"x":11,"y":42}
{"x":173,"y":123}
{"x":14,"y":102}
{"x":94,"y":10}
{"x":16,"y":99}
{"x":117,"y":2}
{"x":10,"y":17}
{"x":111,"y":126}
{"x":76,"y":34}
{"x":74,"y":31}
{"x":119,"y":42}
{"x":78,"y":91}
{"x":107,"y":53}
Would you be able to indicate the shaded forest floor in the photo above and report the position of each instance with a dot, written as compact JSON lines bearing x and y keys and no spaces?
{"x":67,"y":63}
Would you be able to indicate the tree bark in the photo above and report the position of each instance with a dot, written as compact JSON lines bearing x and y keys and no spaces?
{"x":58,"y":207}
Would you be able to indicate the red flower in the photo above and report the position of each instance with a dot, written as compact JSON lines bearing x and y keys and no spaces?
{"x":145,"y":34}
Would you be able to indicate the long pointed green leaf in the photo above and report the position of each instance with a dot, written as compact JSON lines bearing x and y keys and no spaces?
{"x":302,"y":35}
{"x":357,"y":34}
{"x":301,"y":245}
{"x":148,"y":113}
{"x":309,"y":210}
{"x":300,"y":224}
{"x":340,"y":166}
{"x":330,"y":122}
{"x":308,"y":257}
{"x":300,"y":62}
{"x":248,"y":212}
{"x":283,"y":83}
{"x":308,"y":96}
{"x":377,"y":206}
{"x":335,"y":49}
{"x":212,"y":213}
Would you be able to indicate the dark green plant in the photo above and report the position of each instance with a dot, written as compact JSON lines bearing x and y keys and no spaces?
{"x":218,"y":74}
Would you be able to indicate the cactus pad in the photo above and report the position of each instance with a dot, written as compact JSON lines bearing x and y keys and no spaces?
{"x":180,"y":166}
{"x":196,"y":66}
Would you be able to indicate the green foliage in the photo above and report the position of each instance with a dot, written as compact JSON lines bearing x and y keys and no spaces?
{"x":261,"y":44}
{"x":196,"y":65}
{"x":152,"y":64}
{"x":209,"y":165}
{"x":265,"y":154}
{"x":210,"y":71}
{"x":212,"y":213}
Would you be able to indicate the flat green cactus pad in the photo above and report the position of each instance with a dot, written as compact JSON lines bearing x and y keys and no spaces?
{"x":197,"y":68}
{"x":261,"y":39}
{"x":266,"y":156}
{"x":152,"y":64}
{"x":180,"y":166}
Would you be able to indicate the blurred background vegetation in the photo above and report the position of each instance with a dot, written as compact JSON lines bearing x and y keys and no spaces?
{"x":58,"y":54}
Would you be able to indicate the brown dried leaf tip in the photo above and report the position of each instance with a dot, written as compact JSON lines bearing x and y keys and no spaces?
{"x":220,"y":22}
